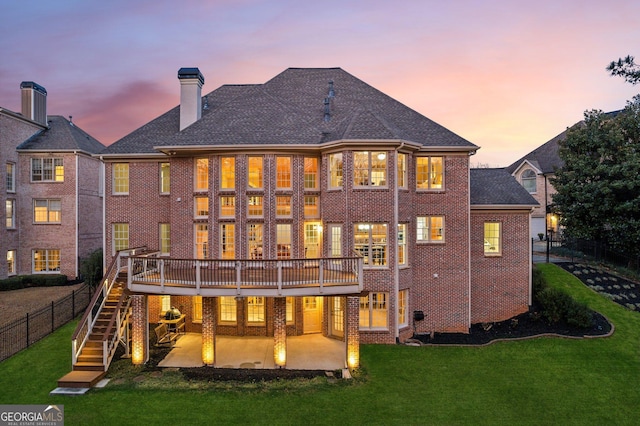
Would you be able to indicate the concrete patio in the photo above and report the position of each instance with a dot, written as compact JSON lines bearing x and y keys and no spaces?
{"x":307,"y":352}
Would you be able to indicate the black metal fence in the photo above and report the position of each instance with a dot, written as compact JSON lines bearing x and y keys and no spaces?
{"x":23,"y":332}
{"x":594,"y":251}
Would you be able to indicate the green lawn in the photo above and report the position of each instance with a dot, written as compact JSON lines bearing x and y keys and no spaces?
{"x":539,"y":381}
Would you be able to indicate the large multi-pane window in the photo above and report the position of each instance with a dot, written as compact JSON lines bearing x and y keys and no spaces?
{"x":528,"y":180}
{"x":120,"y":236}
{"x":227,"y":310}
{"x":310,"y":173}
{"x":201,"y":207}
{"x":403,"y":311}
{"x":11,"y":262}
{"x":10,"y":213}
{"x":429,"y":172}
{"x":374,"y":311}
{"x":311,"y":206}
{"x":283,"y":238}
{"x":197,"y":309}
{"x":370,"y":240}
{"x":46,"y":261}
{"x":228,"y":240}
{"x":369,"y":168}
{"x":312,"y":240}
{"x":202,"y":241}
{"x":47,"y":170}
{"x":283,"y":206}
{"x":227,"y":206}
{"x":46,"y":211}
{"x":165,"y":238}
{"x":402,"y":244}
{"x":254,"y":240}
{"x":289,"y":308}
{"x":430,"y":229}
{"x":11,"y":177}
{"x":283,"y":172}
{"x":227,"y":172}
{"x":255,"y":172}
{"x":164,"y":178}
{"x":492,"y":239}
{"x":402,"y":170}
{"x":335,"y":170}
{"x":254,"y":206}
{"x":255,"y":310}
{"x":202,"y":174}
{"x":120,"y":178}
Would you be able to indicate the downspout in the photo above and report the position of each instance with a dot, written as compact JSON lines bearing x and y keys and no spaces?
{"x":104,"y":214}
{"x":396,"y":269}
{"x":469,"y":239}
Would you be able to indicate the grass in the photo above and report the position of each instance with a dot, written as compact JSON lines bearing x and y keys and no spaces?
{"x":539,"y":381}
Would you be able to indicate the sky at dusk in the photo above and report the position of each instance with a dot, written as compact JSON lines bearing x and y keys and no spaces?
{"x":506,"y":75}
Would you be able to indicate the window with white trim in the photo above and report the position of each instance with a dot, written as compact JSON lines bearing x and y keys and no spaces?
{"x":11,"y":262}
{"x":370,"y":240}
{"x":120,"y":178}
{"x":165,"y":182}
{"x":289,"y":309}
{"x":46,"y":261}
{"x":227,"y":310}
{"x":283,"y":172}
{"x":202,"y":241}
{"x":197,"y":309}
{"x":528,"y":181}
{"x":47,"y":170}
{"x":283,"y":240}
{"x":430,"y":172}
{"x":255,"y":310}
{"x":227,"y":173}
{"x":402,"y":171}
{"x":335,"y":170}
{"x":227,"y":206}
{"x":254,"y":206}
{"x":201,"y":207}
{"x":228,"y":240}
{"x":369,"y":168}
{"x":254,"y":240}
{"x":10,"y":213}
{"x":165,"y":238}
{"x":201,"y":174}
{"x":310,"y":173}
{"x":11,"y":177}
{"x":47,"y":211}
{"x":283,"y":206}
{"x":255,"y":172}
{"x":402,"y":244}
{"x":335,"y":240}
{"x":403,"y":311}
{"x":492,"y":239}
{"x":430,"y":229}
{"x":311,"y":206}
{"x":120,"y":236}
{"x":374,"y":311}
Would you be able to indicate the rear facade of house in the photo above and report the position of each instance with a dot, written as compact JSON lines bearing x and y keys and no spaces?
{"x":312,"y":203}
{"x":50,"y":190}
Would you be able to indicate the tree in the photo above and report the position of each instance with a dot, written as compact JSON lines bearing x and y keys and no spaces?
{"x":598,"y":188}
{"x":627,"y":68}
{"x":91,"y":268}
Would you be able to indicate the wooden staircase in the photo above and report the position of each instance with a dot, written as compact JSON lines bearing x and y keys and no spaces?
{"x":90,"y":366}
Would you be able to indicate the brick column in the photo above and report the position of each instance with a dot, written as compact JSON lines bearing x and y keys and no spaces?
{"x":209,"y":330}
{"x":352,"y":327}
{"x":280,"y":331}
{"x":139,"y":329}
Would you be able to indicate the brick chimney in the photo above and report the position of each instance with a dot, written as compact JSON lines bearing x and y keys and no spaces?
{"x":191,"y":81}
{"x":34,"y":102}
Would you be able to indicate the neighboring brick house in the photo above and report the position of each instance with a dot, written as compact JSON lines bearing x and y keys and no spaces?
{"x":50,"y":189}
{"x":316,"y":164}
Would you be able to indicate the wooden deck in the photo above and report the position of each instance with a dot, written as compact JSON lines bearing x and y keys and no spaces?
{"x":301,"y":277}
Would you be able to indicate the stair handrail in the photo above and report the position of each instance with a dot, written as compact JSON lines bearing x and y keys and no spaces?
{"x":83,"y":330}
{"x":109,"y":344}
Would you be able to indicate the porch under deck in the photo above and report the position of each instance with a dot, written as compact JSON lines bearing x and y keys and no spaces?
{"x":306,"y":352}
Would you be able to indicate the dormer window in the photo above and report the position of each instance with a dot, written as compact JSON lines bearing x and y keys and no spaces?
{"x":528,"y":180}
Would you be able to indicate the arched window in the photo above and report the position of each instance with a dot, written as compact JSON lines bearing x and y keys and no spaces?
{"x":528,"y":180}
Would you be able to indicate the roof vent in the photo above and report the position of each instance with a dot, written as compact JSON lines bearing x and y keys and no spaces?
{"x":327,"y":109}
{"x":332,"y":92}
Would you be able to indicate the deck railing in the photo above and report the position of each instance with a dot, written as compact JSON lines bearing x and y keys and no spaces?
{"x":282,"y":277}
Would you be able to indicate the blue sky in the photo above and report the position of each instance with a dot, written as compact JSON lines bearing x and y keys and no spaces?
{"x":506,"y":75}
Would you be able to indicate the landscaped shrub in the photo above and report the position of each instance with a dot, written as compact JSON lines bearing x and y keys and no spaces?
{"x":558,"y":306}
{"x":24,"y":281}
{"x":538,"y":282}
{"x":579,"y":315}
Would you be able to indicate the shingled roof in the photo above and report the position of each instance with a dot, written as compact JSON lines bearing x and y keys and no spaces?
{"x":496,"y":187}
{"x":62,"y":135}
{"x":289,"y":109}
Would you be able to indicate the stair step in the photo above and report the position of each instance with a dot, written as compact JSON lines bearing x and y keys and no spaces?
{"x":88,"y":366}
{"x":80,"y":379}
{"x":92,"y":351}
{"x":90,"y":359}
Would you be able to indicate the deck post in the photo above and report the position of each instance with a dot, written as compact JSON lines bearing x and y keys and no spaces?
{"x":208,"y":330}
{"x":139,"y":329}
{"x":280,"y":331}
{"x":352,"y":320}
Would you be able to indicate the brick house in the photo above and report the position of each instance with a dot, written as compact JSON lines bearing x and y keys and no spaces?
{"x":318,"y":174}
{"x":50,"y":189}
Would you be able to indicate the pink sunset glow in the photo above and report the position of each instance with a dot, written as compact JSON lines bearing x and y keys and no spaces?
{"x":506,"y":75}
